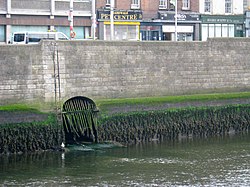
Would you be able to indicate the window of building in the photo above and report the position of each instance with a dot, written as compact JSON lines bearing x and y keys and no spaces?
{"x":185,"y":4}
{"x":172,"y":4}
{"x":2,"y":33}
{"x":207,"y":6}
{"x":135,"y":4}
{"x":123,"y":32}
{"x":217,"y":30}
{"x":228,"y":6}
{"x":108,"y":3}
{"x":163,"y":4}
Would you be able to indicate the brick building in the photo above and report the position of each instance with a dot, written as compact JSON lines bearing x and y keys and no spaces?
{"x":149,"y":20}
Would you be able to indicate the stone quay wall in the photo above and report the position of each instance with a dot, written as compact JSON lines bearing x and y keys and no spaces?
{"x":112,"y":69}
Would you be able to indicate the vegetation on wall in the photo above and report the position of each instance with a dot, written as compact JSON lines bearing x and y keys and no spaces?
{"x":30,"y":137}
{"x":146,"y":126}
{"x":130,"y":127}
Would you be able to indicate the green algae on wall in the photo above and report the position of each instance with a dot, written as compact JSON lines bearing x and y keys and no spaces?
{"x":31,"y":136}
{"x":146,"y":126}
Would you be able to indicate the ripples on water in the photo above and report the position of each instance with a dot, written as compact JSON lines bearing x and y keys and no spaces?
{"x":187,"y":162}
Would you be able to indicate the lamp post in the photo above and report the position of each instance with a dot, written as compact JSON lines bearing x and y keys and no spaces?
{"x":71,"y":19}
{"x":93,"y":20}
{"x":175,"y":21}
{"x":111,"y":19}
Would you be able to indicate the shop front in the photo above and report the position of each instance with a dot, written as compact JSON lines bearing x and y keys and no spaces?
{"x":2,"y":33}
{"x":151,"y":31}
{"x":221,"y":26}
{"x":188,"y":26}
{"x":126,"y":25}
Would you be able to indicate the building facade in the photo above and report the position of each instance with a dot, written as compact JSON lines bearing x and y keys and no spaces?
{"x":132,"y":19}
{"x":127,"y":18}
{"x":188,"y":20}
{"x":44,"y":15}
{"x":149,"y":20}
{"x":222,"y":18}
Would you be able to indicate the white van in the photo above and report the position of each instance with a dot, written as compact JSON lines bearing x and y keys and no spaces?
{"x":35,"y":37}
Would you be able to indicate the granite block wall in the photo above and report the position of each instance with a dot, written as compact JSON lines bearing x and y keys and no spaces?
{"x":106,"y":69}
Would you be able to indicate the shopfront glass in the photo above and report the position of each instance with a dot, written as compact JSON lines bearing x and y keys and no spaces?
{"x":184,"y":32}
{"x":2,"y":33}
{"x":80,"y":34}
{"x":29,"y":28}
{"x":218,"y":30}
{"x":224,"y":30}
{"x":149,"y":32}
{"x":231,"y":30}
{"x":122,"y":32}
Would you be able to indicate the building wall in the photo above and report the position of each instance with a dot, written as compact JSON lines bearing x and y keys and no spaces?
{"x":194,"y":5}
{"x":22,"y":75}
{"x":149,"y":8}
{"x":3,"y":5}
{"x":218,"y":7}
{"x":154,"y":19}
{"x":245,"y":4}
{"x":99,"y":69}
{"x":32,"y":15}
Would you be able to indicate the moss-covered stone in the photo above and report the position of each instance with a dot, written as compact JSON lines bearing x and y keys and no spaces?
{"x":146,"y":126}
{"x":30,"y":136}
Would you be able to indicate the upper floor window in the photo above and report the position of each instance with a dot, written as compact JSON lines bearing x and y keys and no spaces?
{"x":228,"y":6}
{"x":135,"y":4}
{"x":172,"y":4}
{"x":163,"y":4}
{"x":185,"y":4}
{"x":207,"y":6}
{"x":108,"y":3}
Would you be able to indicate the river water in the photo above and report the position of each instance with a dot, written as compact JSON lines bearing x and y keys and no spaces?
{"x":217,"y":161}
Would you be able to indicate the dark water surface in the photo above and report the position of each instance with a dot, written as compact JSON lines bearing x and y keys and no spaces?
{"x":218,"y":161}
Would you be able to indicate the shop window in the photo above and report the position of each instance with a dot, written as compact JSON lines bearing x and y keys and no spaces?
{"x":163,"y":4}
{"x":211,"y":30}
{"x":185,"y":4}
{"x":135,"y":4}
{"x":207,"y":6}
{"x":2,"y":33}
{"x":204,"y":33}
{"x":224,"y":30}
{"x":218,"y":31}
{"x":228,"y":6}
{"x":123,"y":32}
{"x":231,"y":30}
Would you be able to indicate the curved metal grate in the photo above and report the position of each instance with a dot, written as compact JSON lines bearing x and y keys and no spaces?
{"x":80,"y":118}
